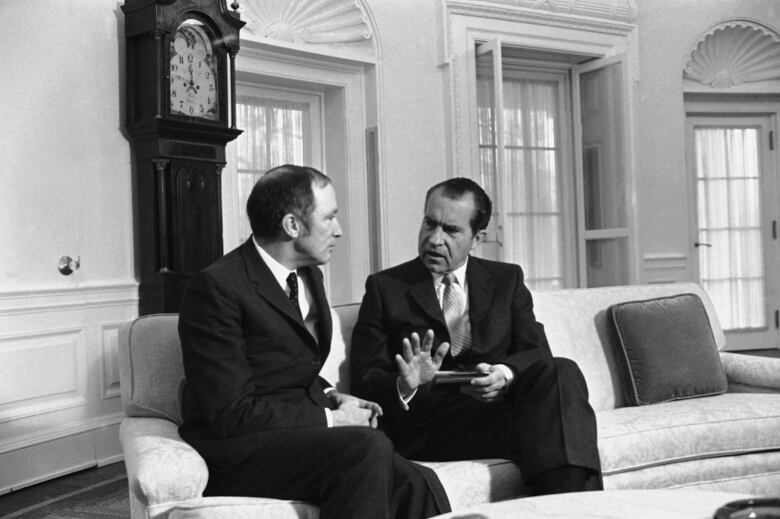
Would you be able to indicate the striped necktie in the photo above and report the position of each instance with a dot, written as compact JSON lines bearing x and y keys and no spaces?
{"x":452,"y":307}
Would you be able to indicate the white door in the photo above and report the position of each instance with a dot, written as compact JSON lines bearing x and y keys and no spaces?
{"x":735,"y":210}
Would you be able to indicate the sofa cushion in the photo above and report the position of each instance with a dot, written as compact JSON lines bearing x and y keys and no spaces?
{"x":667,"y":349}
{"x":577,"y":327}
{"x":634,"y":438}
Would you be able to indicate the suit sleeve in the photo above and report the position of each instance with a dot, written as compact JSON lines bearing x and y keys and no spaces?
{"x":372,"y":362}
{"x":374,"y":371}
{"x":220,"y":392}
{"x":528,"y":342}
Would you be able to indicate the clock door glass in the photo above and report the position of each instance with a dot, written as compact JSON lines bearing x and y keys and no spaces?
{"x":193,"y":72}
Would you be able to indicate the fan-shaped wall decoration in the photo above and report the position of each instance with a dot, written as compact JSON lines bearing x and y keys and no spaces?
{"x":307,"y":21}
{"x":733,"y":53}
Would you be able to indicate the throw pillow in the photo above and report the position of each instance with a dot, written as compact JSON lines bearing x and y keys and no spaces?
{"x":667,"y":349}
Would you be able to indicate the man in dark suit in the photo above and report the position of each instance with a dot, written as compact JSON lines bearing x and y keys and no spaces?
{"x":526,"y":406}
{"x":255,"y":329}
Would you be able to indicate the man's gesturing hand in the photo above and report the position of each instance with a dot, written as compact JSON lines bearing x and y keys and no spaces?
{"x":417,"y":366}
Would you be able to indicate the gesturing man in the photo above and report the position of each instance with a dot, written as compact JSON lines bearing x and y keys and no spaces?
{"x":255,"y":329}
{"x":447,"y":310}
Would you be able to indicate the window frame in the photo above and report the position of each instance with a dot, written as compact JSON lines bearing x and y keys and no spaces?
{"x":552,"y":33}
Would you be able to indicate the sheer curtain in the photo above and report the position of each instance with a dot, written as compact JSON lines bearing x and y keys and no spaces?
{"x":533,"y":212}
{"x":731,"y":265}
{"x":273,"y":135}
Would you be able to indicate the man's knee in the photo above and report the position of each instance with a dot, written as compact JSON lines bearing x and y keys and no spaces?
{"x":369,"y":444}
{"x":568,"y":371}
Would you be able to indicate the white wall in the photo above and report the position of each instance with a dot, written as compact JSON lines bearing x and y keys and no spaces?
{"x":668,"y":31}
{"x":412,"y":126}
{"x":65,"y":189}
{"x":65,"y":164}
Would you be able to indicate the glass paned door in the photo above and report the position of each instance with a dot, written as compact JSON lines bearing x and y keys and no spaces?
{"x":600,"y":133}
{"x":734,"y":239}
{"x":520,"y":164}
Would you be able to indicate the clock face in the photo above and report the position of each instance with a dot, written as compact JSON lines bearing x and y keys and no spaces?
{"x":193,"y":73}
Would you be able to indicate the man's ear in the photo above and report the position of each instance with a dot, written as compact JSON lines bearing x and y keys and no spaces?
{"x":291,"y":225}
{"x":478,"y":238}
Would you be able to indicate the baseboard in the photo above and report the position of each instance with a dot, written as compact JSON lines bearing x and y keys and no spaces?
{"x":65,"y":450}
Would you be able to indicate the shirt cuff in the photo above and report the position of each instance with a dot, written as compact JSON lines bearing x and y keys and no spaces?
{"x":329,"y":417}
{"x":404,"y":401}
{"x":509,"y":375}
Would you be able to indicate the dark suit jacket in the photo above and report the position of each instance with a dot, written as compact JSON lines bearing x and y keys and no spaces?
{"x":402,"y":300}
{"x":251,"y":366}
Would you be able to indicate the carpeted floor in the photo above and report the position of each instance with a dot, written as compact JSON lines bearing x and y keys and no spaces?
{"x":79,"y":496}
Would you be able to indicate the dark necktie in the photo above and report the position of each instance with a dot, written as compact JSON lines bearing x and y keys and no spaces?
{"x":292,"y":282}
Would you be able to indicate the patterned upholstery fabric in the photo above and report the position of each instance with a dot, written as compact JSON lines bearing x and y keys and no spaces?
{"x":732,"y":424}
{"x":727,"y":442}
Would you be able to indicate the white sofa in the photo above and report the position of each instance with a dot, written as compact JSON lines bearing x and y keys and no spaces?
{"x":728,"y":442}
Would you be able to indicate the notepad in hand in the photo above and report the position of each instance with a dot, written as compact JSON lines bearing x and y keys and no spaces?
{"x":456,"y":377}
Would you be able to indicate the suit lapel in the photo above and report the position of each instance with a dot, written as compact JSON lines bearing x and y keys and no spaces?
{"x":423,"y":293}
{"x":481,"y":288}
{"x":266,"y":286}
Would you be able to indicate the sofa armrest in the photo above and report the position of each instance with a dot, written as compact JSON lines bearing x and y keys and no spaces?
{"x":751,"y":373}
{"x":161,"y":467}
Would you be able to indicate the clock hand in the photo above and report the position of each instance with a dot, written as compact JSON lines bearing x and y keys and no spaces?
{"x":191,"y":84}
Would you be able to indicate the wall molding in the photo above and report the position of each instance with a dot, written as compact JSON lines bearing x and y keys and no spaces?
{"x":60,"y":431}
{"x":42,"y":299}
{"x":31,"y":405}
{"x":665,"y":267}
{"x":109,"y":374}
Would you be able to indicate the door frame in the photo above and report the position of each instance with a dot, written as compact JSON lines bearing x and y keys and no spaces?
{"x":760,"y":111}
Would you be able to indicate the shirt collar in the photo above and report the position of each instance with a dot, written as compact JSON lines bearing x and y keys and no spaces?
{"x":460,"y":275}
{"x":279,"y":271}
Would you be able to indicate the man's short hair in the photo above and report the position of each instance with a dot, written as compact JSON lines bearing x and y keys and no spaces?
{"x":456,"y":188}
{"x":282,"y":190}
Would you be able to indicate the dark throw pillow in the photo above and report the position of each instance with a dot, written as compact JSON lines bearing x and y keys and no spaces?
{"x":667,"y":349}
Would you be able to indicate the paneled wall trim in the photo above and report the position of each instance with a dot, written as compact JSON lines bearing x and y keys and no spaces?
{"x":669,"y":267}
{"x":61,"y":298}
{"x":735,"y":52}
{"x":60,"y":402}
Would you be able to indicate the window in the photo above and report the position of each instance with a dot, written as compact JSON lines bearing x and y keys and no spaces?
{"x":280,"y":127}
{"x":555,"y":164}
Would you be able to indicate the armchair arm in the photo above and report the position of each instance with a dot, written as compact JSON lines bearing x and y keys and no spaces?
{"x":161,"y":467}
{"x":750,"y":373}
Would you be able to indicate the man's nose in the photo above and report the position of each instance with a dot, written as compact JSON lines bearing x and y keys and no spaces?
{"x":436,"y":237}
{"x":337,"y":229}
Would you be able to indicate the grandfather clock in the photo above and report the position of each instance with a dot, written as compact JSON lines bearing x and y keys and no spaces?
{"x":180,"y":115}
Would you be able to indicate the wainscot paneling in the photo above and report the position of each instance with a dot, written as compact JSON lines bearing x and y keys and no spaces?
{"x":60,"y":402}
{"x":665,"y":268}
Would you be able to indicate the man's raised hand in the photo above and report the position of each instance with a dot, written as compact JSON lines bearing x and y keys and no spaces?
{"x":417,"y":365}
